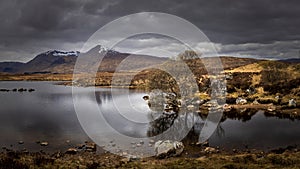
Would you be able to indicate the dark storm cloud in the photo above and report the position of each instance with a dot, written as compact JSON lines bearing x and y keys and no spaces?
{"x":232,"y":21}
{"x":30,"y":27}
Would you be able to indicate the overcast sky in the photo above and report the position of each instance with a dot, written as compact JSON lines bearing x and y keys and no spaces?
{"x":256,"y":28}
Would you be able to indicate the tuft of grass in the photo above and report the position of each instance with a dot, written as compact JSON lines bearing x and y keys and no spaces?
{"x":12,"y":163}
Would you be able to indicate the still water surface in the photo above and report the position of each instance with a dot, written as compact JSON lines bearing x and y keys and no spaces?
{"x":48,"y":114}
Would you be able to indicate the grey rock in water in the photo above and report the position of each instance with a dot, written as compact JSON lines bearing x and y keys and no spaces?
{"x":44,"y":143}
{"x":71,"y":151}
{"x":151,"y":141}
{"x":168,"y":148}
{"x":146,"y":97}
{"x":90,"y":147}
{"x":31,"y":90}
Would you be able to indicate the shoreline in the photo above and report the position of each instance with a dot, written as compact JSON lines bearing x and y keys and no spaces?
{"x":287,"y":158}
{"x":269,"y":109}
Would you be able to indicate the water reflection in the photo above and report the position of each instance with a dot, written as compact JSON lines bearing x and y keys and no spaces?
{"x":48,"y":114}
{"x":241,"y":128}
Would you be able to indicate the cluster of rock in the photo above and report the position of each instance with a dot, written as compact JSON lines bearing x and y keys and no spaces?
{"x":241,"y":101}
{"x":87,"y":146}
{"x":141,"y":143}
{"x":212,"y":105}
{"x":163,"y":102}
{"x":170,"y":102}
{"x":17,"y":90}
{"x":168,"y":148}
{"x":41,"y":143}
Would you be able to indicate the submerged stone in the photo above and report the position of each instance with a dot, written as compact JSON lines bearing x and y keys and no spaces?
{"x":44,"y":143}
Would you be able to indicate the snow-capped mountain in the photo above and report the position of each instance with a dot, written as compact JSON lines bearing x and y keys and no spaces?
{"x":107,"y":50}
{"x":55,"y":61}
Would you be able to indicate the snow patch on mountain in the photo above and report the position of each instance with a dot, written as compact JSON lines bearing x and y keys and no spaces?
{"x":106,"y":50}
{"x":60,"y":53}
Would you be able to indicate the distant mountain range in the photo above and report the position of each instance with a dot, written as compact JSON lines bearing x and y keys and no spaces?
{"x":63,"y":62}
{"x":59,"y":62}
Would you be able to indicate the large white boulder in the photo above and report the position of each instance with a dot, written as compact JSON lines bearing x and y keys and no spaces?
{"x":168,"y":148}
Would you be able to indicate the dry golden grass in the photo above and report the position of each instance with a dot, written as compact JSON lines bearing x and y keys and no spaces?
{"x":37,"y":77}
{"x":254,"y":68}
{"x":256,"y":79}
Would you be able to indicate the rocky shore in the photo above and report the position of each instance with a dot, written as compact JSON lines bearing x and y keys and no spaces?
{"x":191,"y":157}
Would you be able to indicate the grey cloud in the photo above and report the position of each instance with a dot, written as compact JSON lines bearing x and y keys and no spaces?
{"x":275,"y":50}
{"x":29,"y":27}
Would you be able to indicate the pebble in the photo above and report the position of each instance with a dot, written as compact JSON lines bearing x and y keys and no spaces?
{"x":91,"y":147}
{"x":71,"y":151}
{"x":24,"y":150}
{"x":138,"y":145}
{"x":125,"y":160}
{"x":21,"y":142}
{"x":132,"y":158}
{"x":210,"y":150}
{"x":205,"y":144}
{"x":44,"y":143}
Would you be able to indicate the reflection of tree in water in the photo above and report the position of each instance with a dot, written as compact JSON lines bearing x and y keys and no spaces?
{"x":175,"y":126}
{"x":188,"y":124}
{"x":282,"y":115}
{"x":161,"y":124}
{"x":220,"y":131}
{"x":184,"y":121}
{"x":240,"y":114}
{"x":103,"y":96}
